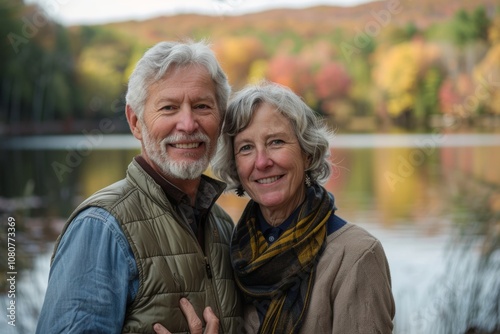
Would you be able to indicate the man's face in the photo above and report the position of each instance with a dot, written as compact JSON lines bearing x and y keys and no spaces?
{"x":180,"y":123}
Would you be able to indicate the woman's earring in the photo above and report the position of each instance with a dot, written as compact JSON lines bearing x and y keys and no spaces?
{"x":240,"y":191}
{"x":308,"y":180}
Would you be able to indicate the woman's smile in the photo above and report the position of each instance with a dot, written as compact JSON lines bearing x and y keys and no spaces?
{"x":269,"y":180}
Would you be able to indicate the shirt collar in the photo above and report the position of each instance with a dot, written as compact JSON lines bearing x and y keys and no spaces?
{"x":208,"y":191}
{"x":266,"y":228}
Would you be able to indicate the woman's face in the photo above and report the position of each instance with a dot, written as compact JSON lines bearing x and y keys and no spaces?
{"x":270,"y":163}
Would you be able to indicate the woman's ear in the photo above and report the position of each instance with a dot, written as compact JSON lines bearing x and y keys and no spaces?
{"x":134,"y":123}
{"x":307,"y":162}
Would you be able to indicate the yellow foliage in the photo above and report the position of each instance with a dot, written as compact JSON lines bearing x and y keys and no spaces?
{"x":136,"y":55}
{"x":402,"y":102}
{"x":399,"y":71}
{"x":98,"y":69}
{"x":257,"y":71}
{"x":494,"y":31}
{"x":236,"y":54}
{"x":487,"y":78}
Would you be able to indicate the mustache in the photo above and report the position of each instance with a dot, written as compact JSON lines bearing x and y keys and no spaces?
{"x":175,"y":138}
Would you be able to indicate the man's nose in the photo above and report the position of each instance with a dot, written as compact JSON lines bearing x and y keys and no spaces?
{"x":187,"y":121}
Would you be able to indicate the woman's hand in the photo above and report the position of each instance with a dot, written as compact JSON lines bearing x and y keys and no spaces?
{"x":195,"y":324}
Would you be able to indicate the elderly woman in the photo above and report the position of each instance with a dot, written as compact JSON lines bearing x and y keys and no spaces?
{"x":301,"y":268}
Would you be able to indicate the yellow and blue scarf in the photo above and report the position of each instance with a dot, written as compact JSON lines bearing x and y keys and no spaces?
{"x":277,"y":278}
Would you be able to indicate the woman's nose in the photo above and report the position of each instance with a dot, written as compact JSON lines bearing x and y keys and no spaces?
{"x":263,"y":159}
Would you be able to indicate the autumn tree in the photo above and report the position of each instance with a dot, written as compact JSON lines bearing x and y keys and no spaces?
{"x":400,"y":72}
{"x":332,"y":81}
{"x":291,"y":71}
{"x":103,"y":68}
{"x":449,"y":96}
{"x":236,"y":55}
{"x":487,"y":81}
{"x":331,"y":87}
{"x":494,"y":30}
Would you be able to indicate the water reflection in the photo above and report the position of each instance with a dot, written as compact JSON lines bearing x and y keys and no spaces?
{"x":470,"y":285}
{"x":435,"y":208}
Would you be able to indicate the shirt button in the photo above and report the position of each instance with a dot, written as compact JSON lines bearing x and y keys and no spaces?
{"x":271,"y":238}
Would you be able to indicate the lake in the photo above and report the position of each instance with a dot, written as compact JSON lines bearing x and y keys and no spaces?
{"x":432,"y":199}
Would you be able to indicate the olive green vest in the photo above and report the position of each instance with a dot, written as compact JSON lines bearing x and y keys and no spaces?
{"x":169,"y":259}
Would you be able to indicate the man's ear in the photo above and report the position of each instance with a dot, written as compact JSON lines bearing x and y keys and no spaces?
{"x":134,"y":122}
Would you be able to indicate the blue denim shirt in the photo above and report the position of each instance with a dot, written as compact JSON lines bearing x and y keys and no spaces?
{"x":92,"y":279}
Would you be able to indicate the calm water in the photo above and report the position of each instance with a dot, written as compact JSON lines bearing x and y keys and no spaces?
{"x":433,"y":201}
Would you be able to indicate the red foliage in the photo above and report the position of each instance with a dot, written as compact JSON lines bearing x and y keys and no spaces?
{"x":453,"y":93}
{"x":332,"y":80}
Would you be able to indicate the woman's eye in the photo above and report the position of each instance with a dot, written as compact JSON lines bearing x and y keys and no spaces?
{"x":244,"y":148}
{"x":277,"y":142}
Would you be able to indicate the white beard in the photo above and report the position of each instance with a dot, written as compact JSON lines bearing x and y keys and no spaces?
{"x":184,"y":170}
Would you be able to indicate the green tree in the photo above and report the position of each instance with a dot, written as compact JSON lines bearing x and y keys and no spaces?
{"x":427,"y":102}
{"x":466,"y":28}
{"x":8,"y":12}
{"x":480,"y":23}
{"x":37,"y":69}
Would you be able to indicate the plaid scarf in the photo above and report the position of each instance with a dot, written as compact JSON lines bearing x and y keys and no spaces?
{"x":279,"y":277}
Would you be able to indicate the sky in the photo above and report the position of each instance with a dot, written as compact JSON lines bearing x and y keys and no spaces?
{"x":75,"y":12}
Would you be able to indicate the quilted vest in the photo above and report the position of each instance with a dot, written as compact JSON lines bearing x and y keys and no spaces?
{"x":170,"y":261}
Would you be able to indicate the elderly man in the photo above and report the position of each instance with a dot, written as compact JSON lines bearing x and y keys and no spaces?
{"x":131,"y":251}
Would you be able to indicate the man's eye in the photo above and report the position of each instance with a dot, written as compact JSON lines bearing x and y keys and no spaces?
{"x":202,"y":106}
{"x":168,"y":107}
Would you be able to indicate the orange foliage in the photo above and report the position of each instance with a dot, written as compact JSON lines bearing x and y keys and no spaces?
{"x":236,"y":54}
{"x":290,"y":71}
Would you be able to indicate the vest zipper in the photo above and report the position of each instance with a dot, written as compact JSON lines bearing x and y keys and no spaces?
{"x":208,"y":269}
{"x":217,"y":300}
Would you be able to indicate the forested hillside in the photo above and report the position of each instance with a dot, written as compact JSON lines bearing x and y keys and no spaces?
{"x":391,"y":62}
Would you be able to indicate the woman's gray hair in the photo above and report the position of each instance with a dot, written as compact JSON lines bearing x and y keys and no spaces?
{"x":164,"y":55}
{"x":313,"y":134}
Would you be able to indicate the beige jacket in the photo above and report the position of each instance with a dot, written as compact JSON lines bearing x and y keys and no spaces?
{"x":352,"y":289}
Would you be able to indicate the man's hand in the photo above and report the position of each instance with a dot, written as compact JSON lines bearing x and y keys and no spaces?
{"x":195,"y":324}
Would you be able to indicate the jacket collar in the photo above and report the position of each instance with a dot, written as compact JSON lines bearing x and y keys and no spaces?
{"x":209,"y":189}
